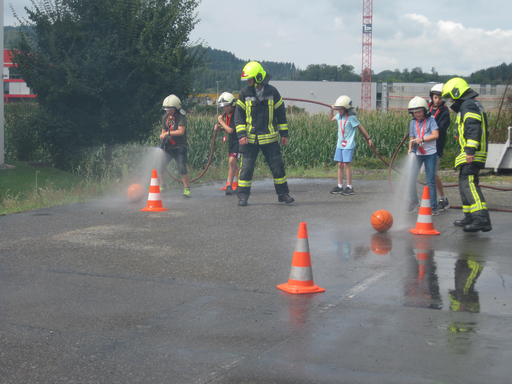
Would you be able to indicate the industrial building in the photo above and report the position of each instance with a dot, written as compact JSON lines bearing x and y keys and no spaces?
{"x":15,"y":87}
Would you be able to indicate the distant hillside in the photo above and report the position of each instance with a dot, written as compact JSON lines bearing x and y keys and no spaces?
{"x":10,"y":37}
{"x":225,"y":68}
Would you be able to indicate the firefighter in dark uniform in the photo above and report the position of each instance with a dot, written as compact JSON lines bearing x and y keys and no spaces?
{"x":471,"y":154}
{"x":260,"y":119}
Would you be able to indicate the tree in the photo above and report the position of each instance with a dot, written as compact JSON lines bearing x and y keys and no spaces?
{"x":101,"y":68}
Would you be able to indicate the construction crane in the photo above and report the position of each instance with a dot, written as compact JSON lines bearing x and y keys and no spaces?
{"x":366,"y":75}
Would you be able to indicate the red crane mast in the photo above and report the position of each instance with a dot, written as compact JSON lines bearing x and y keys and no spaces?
{"x":366,"y":75}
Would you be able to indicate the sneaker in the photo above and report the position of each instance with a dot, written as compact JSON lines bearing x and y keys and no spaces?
{"x":435,"y":212}
{"x":412,"y":207}
{"x":187,"y":193}
{"x":337,"y":189}
{"x":229,"y":190}
{"x":242,"y":202}
{"x":163,"y":187}
{"x":443,"y":204}
{"x":348,"y":191}
{"x":285,"y":199}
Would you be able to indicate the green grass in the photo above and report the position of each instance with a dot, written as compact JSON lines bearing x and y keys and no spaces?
{"x":25,"y":179}
{"x":23,"y":188}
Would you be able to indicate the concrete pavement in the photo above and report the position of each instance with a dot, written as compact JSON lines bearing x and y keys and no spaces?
{"x":103,"y":293}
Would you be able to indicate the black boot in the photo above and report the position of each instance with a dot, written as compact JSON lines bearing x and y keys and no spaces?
{"x":468,"y":219}
{"x":242,"y":202}
{"x":285,"y":199}
{"x":478,"y":225}
{"x":482,"y":222}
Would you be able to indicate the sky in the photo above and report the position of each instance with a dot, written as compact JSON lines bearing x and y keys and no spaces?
{"x":453,"y":37}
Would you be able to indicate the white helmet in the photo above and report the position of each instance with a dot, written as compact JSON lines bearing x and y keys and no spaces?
{"x":418,"y":102}
{"x":173,"y":101}
{"x":226,"y":99}
{"x":343,"y":101}
{"x":437,"y":89}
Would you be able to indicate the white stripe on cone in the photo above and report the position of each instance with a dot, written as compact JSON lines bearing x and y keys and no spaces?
{"x":301,"y":274}
{"x":302,"y":245}
{"x":154,"y":196}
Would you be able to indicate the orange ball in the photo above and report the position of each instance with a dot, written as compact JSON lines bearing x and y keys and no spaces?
{"x":382,"y":220}
{"x":136,"y":192}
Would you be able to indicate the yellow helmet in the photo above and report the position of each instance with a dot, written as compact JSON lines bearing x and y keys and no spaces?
{"x":226,"y":99}
{"x":254,"y":70}
{"x":455,"y":88}
{"x":418,"y":102}
{"x":171,"y":101}
{"x":343,"y":101}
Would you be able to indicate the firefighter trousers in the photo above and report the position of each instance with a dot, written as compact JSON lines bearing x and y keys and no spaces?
{"x":473,"y":201}
{"x":272,"y":153}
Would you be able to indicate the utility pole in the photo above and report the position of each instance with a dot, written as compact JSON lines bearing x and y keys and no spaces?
{"x":2,"y":150}
{"x":366,"y":75}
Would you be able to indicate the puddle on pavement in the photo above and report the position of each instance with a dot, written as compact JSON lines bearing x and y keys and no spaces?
{"x":420,"y":275}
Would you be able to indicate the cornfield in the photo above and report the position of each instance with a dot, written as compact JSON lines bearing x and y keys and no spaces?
{"x":312,"y":139}
{"x":312,"y":143}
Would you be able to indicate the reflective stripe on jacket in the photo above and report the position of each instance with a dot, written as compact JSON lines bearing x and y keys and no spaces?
{"x":260,"y":121}
{"x":472,"y":132}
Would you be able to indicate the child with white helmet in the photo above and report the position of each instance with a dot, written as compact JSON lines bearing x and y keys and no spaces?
{"x":441,"y":113}
{"x":226,"y":121}
{"x":423,"y":133}
{"x":174,"y":141}
{"x":347,"y":128}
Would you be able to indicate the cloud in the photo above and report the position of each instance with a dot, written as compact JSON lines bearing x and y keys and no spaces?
{"x":338,"y":23}
{"x":448,"y":46}
{"x":418,"y":18}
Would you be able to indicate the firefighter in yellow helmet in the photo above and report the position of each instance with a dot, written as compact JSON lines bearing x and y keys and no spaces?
{"x":471,"y":154}
{"x":260,"y":119}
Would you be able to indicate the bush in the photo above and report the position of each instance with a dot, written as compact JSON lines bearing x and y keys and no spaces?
{"x":23,"y":123}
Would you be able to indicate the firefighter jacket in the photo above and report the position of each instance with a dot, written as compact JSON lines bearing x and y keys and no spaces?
{"x":472,"y":129}
{"x":261,"y":121}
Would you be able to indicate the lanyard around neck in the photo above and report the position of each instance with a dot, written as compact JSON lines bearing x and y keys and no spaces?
{"x":342,"y":126}
{"x":437,"y":110}
{"x":420,"y":135}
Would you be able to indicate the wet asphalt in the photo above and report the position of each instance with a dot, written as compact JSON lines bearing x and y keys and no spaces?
{"x":101,"y":292}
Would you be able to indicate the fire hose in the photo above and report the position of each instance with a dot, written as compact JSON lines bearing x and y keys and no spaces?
{"x":390,"y":164}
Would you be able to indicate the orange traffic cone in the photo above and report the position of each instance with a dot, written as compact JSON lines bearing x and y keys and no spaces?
{"x":425,"y":226}
{"x":301,"y":275}
{"x":235,"y":183}
{"x":154,"y":199}
{"x":226,"y":186}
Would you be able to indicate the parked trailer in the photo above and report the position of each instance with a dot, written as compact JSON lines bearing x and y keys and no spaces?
{"x":499,"y":156}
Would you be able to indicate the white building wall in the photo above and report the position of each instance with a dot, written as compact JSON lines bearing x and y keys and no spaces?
{"x":18,"y":88}
{"x":321,"y":91}
{"x":392,"y":96}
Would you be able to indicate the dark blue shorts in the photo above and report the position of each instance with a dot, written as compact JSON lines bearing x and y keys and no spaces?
{"x":179,"y":155}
